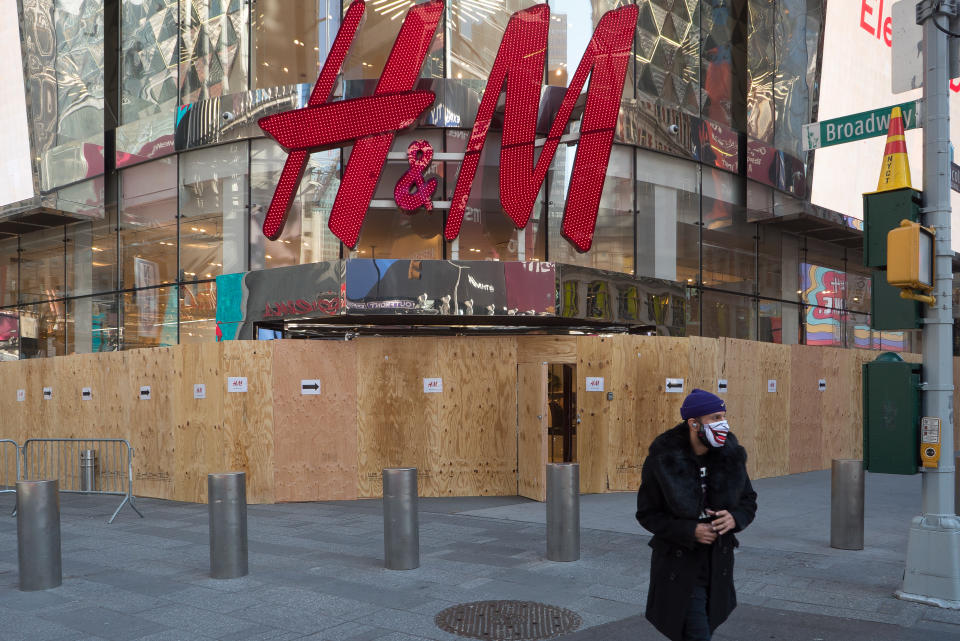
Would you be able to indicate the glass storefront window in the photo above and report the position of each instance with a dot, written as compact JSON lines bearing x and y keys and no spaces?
{"x":487,"y":233}
{"x":668,"y":218}
{"x":43,"y":329}
{"x":148,"y":224}
{"x":770,"y":260}
{"x":824,"y":294}
{"x":91,"y":257}
{"x":778,"y":322}
{"x":198,"y":313}
{"x":728,"y":315}
{"x":93,"y":325}
{"x":150,"y":318}
{"x":9,"y":271}
{"x":306,"y":237}
{"x":214,"y":49}
{"x":476,"y":29}
{"x":148,"y":59}
{"x":615,"y":221}
{"x":666,"y":54}
{"x":213,"y":211}
{"x":374,"y":42}
{"x":728,"y":241}
{"x":762,"y":60}
{"x":42,"y":265}
{"x":291,"y":39}
{"x":9,"y":335}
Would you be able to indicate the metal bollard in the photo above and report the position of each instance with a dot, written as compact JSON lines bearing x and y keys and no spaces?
{"x":846,"y":504}
{"x":401,"y":524}
{"x":227,"y":500}
{"x":88,"y":470}
{"x":38,"y":535}
{"x":563,"y":512}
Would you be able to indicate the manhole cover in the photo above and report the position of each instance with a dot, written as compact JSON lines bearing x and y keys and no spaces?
{"x":518,"y":620}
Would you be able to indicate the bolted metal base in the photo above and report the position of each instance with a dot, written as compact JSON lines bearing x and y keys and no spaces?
{"x":932,"y":575}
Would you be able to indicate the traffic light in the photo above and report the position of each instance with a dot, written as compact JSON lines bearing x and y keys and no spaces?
{"x":910,"y":260}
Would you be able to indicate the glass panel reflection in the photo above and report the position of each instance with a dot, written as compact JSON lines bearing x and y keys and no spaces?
{"x":614,"y":229}
{"x":43,"y":329}
{"x":9,"y":335}
{"x":9,"y":271}
{"x":728,"y":315}
{"x":374,"y":41}
{"x":306,"y":237}
{"x":291,"y":40}
{"x":148,"y":224}
{"x":42,"y":265}
{"x":148,"y":59}
{"x":150,"y":318}
{"x":94,"y":325}
{"x":214,"y":48}
{"x":213,"y":211}
{"x":198,"y":311}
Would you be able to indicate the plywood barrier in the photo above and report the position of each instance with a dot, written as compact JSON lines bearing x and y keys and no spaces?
{"x":745,"y":385}
{"x":198,"y":437}
{"x":549,"y":349}
{"x":475,"y":436}
{"x":248,"y":416}
{"x":315,"y":434}
{"x":532,"y":430}
{"x":773,"y":438}
{"x":807,"y":422}
{"x":484,"y":433}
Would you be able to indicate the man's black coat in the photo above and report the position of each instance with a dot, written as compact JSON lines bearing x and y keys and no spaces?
{"x":669,"y":503}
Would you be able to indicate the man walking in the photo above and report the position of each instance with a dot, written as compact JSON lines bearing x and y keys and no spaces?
{"x":694,"y":495}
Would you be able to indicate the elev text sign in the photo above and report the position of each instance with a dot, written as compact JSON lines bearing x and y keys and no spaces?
{"x":370,"y":123}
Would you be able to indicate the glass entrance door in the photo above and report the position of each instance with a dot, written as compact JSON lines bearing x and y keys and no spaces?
{"x":562,"y":403}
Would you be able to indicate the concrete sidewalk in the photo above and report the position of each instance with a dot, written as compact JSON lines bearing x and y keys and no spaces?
{"x":316,"y":571}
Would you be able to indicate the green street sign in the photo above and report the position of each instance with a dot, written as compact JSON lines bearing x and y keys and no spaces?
{"x":858,"y":126}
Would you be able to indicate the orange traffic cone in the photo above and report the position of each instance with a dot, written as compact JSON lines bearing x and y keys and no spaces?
{"x":895,"y":171}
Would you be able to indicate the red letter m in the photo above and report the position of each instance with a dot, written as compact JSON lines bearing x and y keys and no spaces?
{"x":521,"y":56}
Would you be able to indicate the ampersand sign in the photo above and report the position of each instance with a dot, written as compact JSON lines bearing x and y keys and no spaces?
{"x":419,"y":155}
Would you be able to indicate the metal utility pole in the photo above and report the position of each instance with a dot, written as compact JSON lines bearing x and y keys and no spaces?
{"x":933,"y":548}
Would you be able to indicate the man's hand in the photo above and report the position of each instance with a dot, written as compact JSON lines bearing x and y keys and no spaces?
{"x":705,"y":534}
{"x":722,"y":522}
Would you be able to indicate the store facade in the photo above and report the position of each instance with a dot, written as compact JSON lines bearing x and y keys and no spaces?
{"x":153,"y":179}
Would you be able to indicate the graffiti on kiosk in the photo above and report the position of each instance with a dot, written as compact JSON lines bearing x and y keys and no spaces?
{"x":371,"y":122}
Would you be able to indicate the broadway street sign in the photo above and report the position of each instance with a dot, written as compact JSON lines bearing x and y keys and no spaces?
{"x":858,"y":126}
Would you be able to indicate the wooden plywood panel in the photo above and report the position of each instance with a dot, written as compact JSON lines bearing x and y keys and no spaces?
{"x":773,"y":451}
{"x":395,"y":418}
{"x":532,"y":427}
{"x":956,"y":402}
{"x":476,"y":442}
{"x":40,"y":414}
{"x":248,"y":416}
{"x":704,"y":358}
{"x":116,"y":395}
{"x":550,"y":349}
{"x":595,"y":359}
{"x":643,"y":409}
{"x":11,"y":410}
{"x":199,"y":438}
{"x":315,"y":435}
{"x":151,"y":421}
{"x":740,"y":368}
{"x":626,"y":448}
{"x":806,"y":421}
{"x":85,"y":371}
{"x":842,"y":406}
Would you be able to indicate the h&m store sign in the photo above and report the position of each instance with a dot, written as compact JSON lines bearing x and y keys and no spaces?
{"x":371,"y":122}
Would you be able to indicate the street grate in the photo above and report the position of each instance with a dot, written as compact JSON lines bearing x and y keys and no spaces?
{"x":500,"y":620}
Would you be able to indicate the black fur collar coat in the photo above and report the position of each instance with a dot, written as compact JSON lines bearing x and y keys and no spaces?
{"x":669,"y":503}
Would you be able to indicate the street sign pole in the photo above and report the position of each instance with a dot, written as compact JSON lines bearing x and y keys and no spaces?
{"x":933,"y":547}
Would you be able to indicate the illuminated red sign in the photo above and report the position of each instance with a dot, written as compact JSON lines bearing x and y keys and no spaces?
{"x":371,"y":122}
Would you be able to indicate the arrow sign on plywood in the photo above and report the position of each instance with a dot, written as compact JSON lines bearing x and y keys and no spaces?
{"x":309,"y":386}
{"x":674,"y":385}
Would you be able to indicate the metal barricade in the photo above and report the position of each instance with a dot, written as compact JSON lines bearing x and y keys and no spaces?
{"x":9,"y":466}
{"x":60,"y":458}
